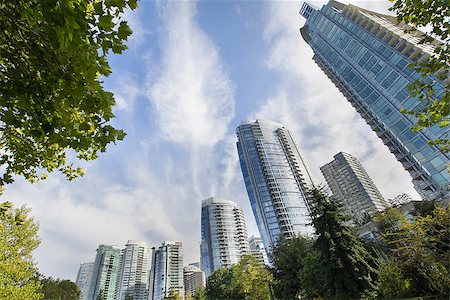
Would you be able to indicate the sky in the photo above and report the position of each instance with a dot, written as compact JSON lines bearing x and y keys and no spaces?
{"x":194,"y":71}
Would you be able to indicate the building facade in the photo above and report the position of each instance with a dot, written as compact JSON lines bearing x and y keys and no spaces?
{"x":276,"y":178}
{"x":134,"y":271}
{"x":105,"y":273}
{"x":194,"y":279}
{"x":166,"y":273}
{"x":366,"y":55}
{"x":84,"y":278}
{"x":257,"y":250}
{"x":353,"y":188}
{"x":224,"y":234}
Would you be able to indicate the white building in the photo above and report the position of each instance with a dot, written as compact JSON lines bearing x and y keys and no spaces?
{"x":257,"y":249}
{"x":224,"y":234}
{"x":134,"y":271}
{"x":166,"y":273}
{"x":194,"y":279}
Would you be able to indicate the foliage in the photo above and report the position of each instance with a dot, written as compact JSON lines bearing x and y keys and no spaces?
{"x":247,"y":280}
{"x":419,"y":251}
{"x":173,"y":296}
{"x":100,"y":295}
{"x":128,"y":297}
{"x":18,"y":239}
{"x":290,"y":258}
{"x":200,"y":294}
{"x":343,"y":262}
{"x":57,"y":289}
{"x":52,"y":54}
{"x":432,"y":14}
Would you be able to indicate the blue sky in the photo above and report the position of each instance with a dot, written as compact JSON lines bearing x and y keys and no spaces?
{"x":193,"y":72}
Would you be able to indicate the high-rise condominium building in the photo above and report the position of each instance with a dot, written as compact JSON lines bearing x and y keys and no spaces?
{"x":353,"y":188}
{"x":224,"y":234}
{"x":194,"y":279}
{"x":257,"y":249}
{"x":84,"y":278}
{"x":105,"y":273}
{"x":166,"y":273}
{"x":276,"y":178}
{"x":134,"y":271}
{"x":366,"y":55}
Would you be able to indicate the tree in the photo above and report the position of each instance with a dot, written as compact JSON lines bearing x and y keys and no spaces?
{"x":173,"y":296}
{"x":200,"y":295}
{"x":435,"y":97}
{"x":57,"y":289}
{"x":253,"y":279}
{"x":344,"y":263}
{"x":247,"y":280}
{"x":289,"y":261}
{"x":18,"y":239}
{"x":52,"y":56}
{"x":420,"y":249}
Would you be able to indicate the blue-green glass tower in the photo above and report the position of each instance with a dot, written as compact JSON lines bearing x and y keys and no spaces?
{"x":366,"y":55}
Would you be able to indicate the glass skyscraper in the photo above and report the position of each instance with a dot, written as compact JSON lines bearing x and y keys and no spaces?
{"x":353,"y":188}
{"x":276,"y":178}
{"x":224,"y":234}
{"x":105,"y":273}
{"x":84,"y":279}
{"x":366,"y":55}
{"x":166,"y":273}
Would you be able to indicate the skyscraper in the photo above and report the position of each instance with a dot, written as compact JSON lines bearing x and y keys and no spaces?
{"x":166,"y":273}
{"x":366,"y":55}
{"x":257,"y":250}
{"x":224,"y":234}
{"x":134,"y":271}
{"x":105,"y":273}
{"x":276,"y":178}
{"x":84,"y":278}
{"x":194,"y":279}
{"x":352,"y":186}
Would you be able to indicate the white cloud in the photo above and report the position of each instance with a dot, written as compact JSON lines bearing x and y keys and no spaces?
{"x":191,"y":94}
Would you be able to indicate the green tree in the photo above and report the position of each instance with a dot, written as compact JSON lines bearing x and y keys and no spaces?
{"x":432,"y":14}
{"x":421,"y":249}
{"x":57,"y":289}
{"x":18,"y":239}
{"x":173,"y":296}
{"x":343,"y":260}
{"x":289,"y":259}
{"x":221,"y":285}
{"x":253,"y":279}
{"x":247,"y":280}
{"x":200,"y":294}
{"x":52,"y":57}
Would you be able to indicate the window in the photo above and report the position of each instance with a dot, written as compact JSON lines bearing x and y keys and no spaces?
{"x":383,"y":74}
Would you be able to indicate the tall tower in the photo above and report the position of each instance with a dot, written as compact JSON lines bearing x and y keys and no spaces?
{"x":134,"y":271}
{"x":366,"y":55}
{"x":352,"y":187}
{"x":224,"y":234}
{"x":276,"y":178}
{"x":166,"y":273}
{"x":105,"y":273}
{"x":84,"y":278}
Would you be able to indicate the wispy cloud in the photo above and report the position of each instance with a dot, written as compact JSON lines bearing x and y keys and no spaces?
{"x":191,"y":94}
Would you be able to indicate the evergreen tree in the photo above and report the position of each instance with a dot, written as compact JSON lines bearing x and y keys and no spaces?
{"x":344,"y":261}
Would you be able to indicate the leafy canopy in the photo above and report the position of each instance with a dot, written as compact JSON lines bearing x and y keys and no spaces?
{"x":247,"y":280}
{"x":56,"y":289}
{"x":52,"y":56}
{"x":18,"y":239}
{"x":435,"y":108}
